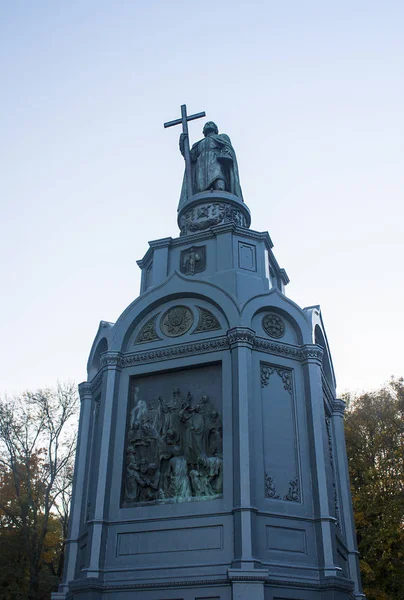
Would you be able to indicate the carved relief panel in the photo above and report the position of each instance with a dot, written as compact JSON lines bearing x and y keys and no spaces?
{"x":281,"y":476}
{"x":176,"y":322}
{"x":173,"y":442}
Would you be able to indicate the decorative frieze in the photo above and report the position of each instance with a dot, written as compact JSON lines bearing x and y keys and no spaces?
{"x":208,"y":215}
{"x":301,"y":353}
{"x":192,"y":348}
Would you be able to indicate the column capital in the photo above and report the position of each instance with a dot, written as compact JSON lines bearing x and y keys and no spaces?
{"x":111,"y":360}
{"x":241,"y":336}
{"x":85,"y":392}
{"x":312,"y":353}
{"x":338,"y":407}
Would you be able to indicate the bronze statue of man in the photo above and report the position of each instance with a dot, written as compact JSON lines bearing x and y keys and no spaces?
{"x":213,"y":164}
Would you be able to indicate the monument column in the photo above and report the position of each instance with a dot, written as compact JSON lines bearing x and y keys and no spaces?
{"x":247,"y":582}
{"x":111,"y":363}
{"x":345,"y":494}
{"x":76,"y":516}
{"x":316,"y":420}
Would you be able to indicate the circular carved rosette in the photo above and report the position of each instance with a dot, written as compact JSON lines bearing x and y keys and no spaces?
{"x":273,"y":325}
{"x":176,"y":321}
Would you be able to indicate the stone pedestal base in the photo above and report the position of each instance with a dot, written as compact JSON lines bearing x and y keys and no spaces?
{"x":211,"y":208}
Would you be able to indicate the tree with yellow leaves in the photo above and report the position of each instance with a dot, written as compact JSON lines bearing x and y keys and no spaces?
{"x":37,"y":447}
{"x":374,"y":429}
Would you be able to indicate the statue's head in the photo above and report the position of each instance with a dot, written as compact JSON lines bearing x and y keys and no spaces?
{"x":210,"y":126}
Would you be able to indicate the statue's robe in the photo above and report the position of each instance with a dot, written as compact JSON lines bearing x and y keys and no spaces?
{"x":206,"y":168}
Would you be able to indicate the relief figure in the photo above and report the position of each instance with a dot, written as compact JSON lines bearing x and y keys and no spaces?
{"x":174,"y":449}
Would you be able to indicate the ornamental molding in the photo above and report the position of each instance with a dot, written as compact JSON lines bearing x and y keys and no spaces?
{"x":293,"y":494}
{"x":270,"y":489}
{"x":111,"y":360}
{"x":148,"y":332}
{"x":301,"y":353}
{"x":214,"y":345}
{"x":85,"y":391}
{"x":329,"y":583}
{"x":273,"y":325}
{"x":241,"y":336}
{"x":284,"y":374}
{"x":338,"y":406}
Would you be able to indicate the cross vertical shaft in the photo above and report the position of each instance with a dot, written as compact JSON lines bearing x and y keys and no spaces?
{"x":187,"y":155}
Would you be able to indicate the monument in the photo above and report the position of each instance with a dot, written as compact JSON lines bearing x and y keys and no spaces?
{"x":211,"y":460}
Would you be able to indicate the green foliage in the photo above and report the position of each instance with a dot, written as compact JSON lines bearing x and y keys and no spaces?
{"x":374,"y":429}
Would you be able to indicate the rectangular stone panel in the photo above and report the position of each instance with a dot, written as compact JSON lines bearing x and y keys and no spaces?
{"x":282,"y":477}
{"x":247,"y":256}
{"x":173,"y":449}
{"x":170,"y":540}
{"x":286,"y":539}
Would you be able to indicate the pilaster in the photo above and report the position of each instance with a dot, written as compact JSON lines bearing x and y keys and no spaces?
{"x":316,"y":421}
{"x":241,"y":341}
{"x":111,"y":362}
{"x":345,"y":494}
{"x":76,"y":516}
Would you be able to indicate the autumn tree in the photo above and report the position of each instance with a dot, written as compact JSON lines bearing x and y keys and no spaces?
{"x":374,"y":428}
{"x":37,"y":446}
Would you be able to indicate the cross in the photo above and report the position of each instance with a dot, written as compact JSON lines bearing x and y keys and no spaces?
{"x":184,"y":121}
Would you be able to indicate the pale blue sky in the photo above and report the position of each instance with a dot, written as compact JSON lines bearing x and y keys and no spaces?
{"x":311,"y":94}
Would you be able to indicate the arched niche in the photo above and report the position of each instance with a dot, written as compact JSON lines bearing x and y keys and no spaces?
{"x":206,"y":319}
{"x":102,"y":346}
{"x":285,"y":328}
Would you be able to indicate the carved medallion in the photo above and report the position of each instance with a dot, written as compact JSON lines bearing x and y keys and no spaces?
{"x":176,"y":321}
{"x":148,"y":332}
{"x":207,"y":321}
{"x":193,"y":260}
{"x":273,"y":325}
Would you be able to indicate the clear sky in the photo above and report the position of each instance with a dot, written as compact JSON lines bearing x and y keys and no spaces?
{"x":311,"y":94}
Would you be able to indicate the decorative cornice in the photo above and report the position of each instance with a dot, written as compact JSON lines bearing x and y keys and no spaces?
{"x":338,"y":406}
{"x":241,"y":336}
{"x":213,"y":345}
{"x":96,"y":584}
{"x":301,"y":353}
{"x":327,"y":583}
{"x":85,"y":391}
{"x":257,"y":575}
